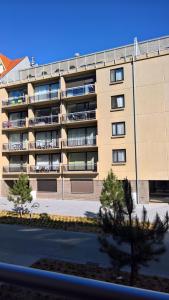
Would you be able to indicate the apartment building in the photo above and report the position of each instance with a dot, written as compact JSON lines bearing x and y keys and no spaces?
{"x":66,"y":124}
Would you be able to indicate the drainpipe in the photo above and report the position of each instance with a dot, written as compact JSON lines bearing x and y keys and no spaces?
{"x":134,"y":121}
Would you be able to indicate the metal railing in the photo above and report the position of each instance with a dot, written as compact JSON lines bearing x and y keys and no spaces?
{"x":44,"y":120}
{"x":79,"y":116}
{"x":14,"y":123}
{"x":14,"y":101}
{"x":44,"y":97}
{"x":73,"y":287}
{"x":15,"y":146}
{"x":15,"y":168}
{"x":79,"y":142}
{"x":44,"y":144}
{"x":90,"y":61}
{"x":83,"y":166}
{"x":44,"y":168}
{"x":79,"y":91}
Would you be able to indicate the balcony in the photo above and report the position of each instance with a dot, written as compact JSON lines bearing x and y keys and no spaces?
{"x":44,"y":121}
{"x":79,"y":116}
{"x":15,"y":168}
{"x":44,"y":145}
{"x":14,"y":101}
{"x":80,"y":167}
{"x":17,"y":146}
{"x":14,"y":124}
{"x":79,"y":91}
{"x":79,"y":142}
{"x":45,"y":97}
{"x":44,"y":168}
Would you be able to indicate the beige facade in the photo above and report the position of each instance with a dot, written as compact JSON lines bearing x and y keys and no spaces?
{"x":67,"y":128}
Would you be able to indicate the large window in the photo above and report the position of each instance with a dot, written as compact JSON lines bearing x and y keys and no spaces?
{"x":48,"y":160}
{"x":17,"y":93}
{"x":118,"y":128}
{"x":44,"y":112}
{"x":117,"y":102}
{"x":47,"y":91}
{"x":82,"y":136}
{"x":13,"y":116}
{"x":82,"y":106}
{"x":116,"y":75}
{"x":119,"y":155}
{"x":82,"y":161}
{"x":46,"y":138}
{"x":18,"y":141}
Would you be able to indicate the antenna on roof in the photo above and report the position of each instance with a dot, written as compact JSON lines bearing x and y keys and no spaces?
{"x":136,"y":47}
{"x":32,"y":61}
{"x":77,"y":54}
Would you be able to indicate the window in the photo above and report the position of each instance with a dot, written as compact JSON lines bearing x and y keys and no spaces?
{"x":83,"y":106}
{"x":82,"y":186}
{"x":116,"y":75}
{"x":82,"y":136}
{"x":79,"y":161}
{"x":119,"y":156}
{"x":46,"y":91}
{"x":117,"y":101}
{"x":118,"y":128}
{"x":46,"y":185}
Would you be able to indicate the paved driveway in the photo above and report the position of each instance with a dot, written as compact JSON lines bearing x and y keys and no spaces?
{"x":23,"y":245}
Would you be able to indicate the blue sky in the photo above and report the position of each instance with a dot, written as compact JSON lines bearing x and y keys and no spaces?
{"x":52,"y":30}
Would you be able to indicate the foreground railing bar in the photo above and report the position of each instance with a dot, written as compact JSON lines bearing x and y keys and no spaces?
{"x":72,"y":286}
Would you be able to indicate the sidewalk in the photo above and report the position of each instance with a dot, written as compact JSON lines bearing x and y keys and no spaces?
{"x":84,"y":208}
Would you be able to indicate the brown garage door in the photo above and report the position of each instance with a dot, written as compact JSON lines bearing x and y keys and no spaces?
{"x":46,"y":185}
{"x":82,"y":186}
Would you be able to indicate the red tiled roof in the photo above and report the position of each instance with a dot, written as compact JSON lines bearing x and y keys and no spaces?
{"x":9,"y":64}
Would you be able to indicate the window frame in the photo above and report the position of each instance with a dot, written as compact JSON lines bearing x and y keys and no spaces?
{"x":118,"y":161}
{"x":116,"y":124}
{"x":117,"y":107}
{"x":115,"y":76}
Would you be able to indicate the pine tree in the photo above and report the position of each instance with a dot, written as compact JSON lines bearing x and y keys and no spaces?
{"x":145,"y":239}
{"x":20,"y":193}
{"x":112,"y":194}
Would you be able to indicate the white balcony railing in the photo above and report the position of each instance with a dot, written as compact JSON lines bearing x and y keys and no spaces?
{"x":44,"y":120}
{"x":14,"y":124}
{"x":79,"y":116}
{"x":79,"y":142}
{"x":14,"y":101}
{"x":44,"y":97}
{"x":17,"y":146}
{"x":79,"y":91}
{"x":44,"y":168}
{"x":15,"y":168}
{"x":82,"y":166}
{"x":42,"y":144}
{"x":90,"y":61}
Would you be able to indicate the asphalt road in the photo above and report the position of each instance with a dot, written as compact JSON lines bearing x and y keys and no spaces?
{"x":24,"y":245}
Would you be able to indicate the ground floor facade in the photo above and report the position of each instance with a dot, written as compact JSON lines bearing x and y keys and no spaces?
{"x":88,"y":188}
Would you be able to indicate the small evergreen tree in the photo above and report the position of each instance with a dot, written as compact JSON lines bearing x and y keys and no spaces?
{"x":145,"y":239}
{"x":20,"y":193}
{"x":112,"y":194}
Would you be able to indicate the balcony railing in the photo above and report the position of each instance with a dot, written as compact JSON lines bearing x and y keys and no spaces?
{"x":79,"y":142}
{"x":14,"y":101}
{"x":44,"y":97}
{"x":79,"y":116}
{"x":83,"y":166}
{"x":44,"y":168}
{"x":14,"y":124}
{"x":44,"y":144}
{"x":79,"y":91}
{"x":44,"y":120}
{"x":15,"y":146}
{"x":15,"y":168}
{"x":89,"y":61}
